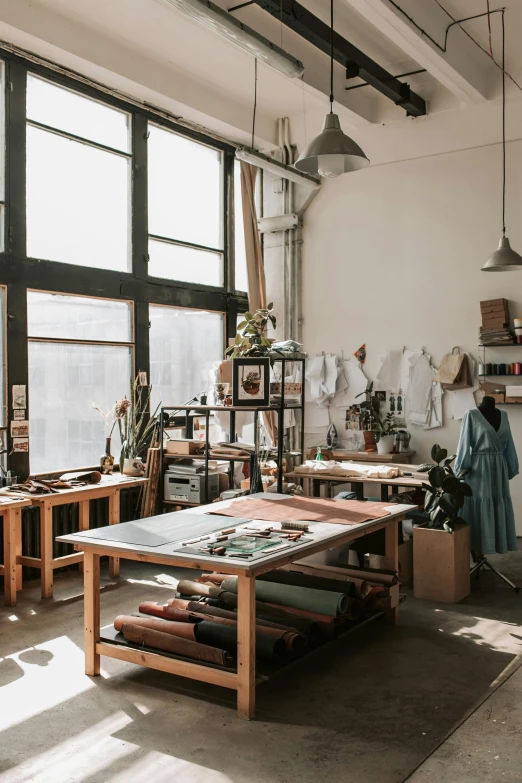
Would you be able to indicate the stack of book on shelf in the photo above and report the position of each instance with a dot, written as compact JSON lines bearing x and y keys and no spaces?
{"x":514,"y":393}
{"x":495,"y":329}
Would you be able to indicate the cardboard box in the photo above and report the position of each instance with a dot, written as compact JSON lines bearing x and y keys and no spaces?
{"x":493,"y":302}
{"x":406,"y":563}
{"x":441,"y":564}
{"x":515,"y":400}
{"x":183,"y":447}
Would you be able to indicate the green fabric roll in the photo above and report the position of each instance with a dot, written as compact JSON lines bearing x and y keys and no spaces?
{"x":311,"y":599}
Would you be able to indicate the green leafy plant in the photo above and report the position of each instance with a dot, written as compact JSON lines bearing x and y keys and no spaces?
{"x":135,"y":428}
{"x":251,"y":339}
{"x":387,"y":427}
{"x":446,"y":492}
{"x":371,"y":417}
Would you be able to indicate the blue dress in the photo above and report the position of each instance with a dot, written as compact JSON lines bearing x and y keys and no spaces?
{"x":492,"y":460}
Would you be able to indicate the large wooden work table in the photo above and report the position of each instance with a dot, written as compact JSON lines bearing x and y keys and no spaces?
{"x":11,"y":513}
{"x":243,"y":680}
{"x":109,"y":487}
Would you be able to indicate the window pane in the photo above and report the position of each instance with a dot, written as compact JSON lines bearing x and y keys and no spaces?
{"x":64,"y":379}
{"x":3,"y":359}
{"x":179,"y":262}
{"x":73,"y":113}
{"x":185,"y":189}
{"x":241,"y":283}
{"x":78,"y":203}
{"x":78,"y":318}
{"x":183,"y":346}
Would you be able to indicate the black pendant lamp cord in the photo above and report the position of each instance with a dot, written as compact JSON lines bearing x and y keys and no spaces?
{"x":332,"y":56}
{"x":255,"y":103}
{"x":503,"y":127}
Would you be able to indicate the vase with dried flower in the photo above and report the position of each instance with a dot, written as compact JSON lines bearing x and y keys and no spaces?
{"x":136,"y":429}
{"x":110,"y":418}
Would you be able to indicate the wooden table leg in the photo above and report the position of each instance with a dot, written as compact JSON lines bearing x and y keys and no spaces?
{"x":391,"y":558}
{"x":18,"y":547}
{"x":246,"y":646}
{"x":84,"y":507}
{"x":385,"y":495}
{"x":91,"y":587}
{"x":306,"y":486}
{"x":46,"y":549}
{"x":114,"y":518}
{"x":10,"y":556}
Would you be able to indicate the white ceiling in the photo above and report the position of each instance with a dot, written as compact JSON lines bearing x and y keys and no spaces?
{"x":187,"y":69}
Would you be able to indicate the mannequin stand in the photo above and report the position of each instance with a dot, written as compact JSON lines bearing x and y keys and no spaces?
{"x":481,"y":563}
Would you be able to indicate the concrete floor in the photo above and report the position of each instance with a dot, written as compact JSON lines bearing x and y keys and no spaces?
{"x":370,"y":707}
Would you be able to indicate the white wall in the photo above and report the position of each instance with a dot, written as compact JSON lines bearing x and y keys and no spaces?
{"x":392,"y":257}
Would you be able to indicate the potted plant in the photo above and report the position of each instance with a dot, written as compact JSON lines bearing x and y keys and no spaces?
{"x":441,"y":545}
{"x":251,"y":339}
{"x":135,"y":428}
{"x":385,"y":437}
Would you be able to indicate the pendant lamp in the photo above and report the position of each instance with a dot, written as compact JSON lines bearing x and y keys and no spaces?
{"x":332,"y":152}
{"x":504,"y":259}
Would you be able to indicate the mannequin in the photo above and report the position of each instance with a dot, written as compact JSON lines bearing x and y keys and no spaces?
{"x":487,"y":452}
{"x":490,"y":412}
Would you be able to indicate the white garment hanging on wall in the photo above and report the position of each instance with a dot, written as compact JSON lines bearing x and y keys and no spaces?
{"x":419,"y":390}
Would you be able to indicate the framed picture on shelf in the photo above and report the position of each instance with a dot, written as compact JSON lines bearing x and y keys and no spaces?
{"x":251,"y":381}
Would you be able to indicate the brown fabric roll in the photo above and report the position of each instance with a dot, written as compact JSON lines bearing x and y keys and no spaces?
{"x":215,"y":611}
{"x":277,"y":613}
{"x":320,"y":618}
{"x":175,"y":644}
{"x":186,"y":630}
{"x":186,"y":587}
{"x":372,"y":575}
{"x":214,"y":578}
{"x":165,"y":612}
{"x":178,"y":603}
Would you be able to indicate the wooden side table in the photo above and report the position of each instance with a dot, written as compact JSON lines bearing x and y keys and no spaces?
{"x":110,"y":487}
{"x":11,"y":513}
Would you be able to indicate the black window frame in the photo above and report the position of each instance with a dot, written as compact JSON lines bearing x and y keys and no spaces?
{"x":19,"y":273}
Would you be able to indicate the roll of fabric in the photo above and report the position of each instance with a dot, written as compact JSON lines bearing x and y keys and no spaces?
{"x":320,"y":601}
{"x":225,"y":636}
{"x":295,"y":642}
{"x":186,"y":630}
{"x":354,"y":610}
{"x":216,"y":579}
{"x":175,"y":644}
{"x":178,"y":603}
{"x":298,"y":579}
{"x":212,"y":611}
{"x":309,"y":627}
{"x":362,"y":587}
{"x":187,"y":587}
{"x":317,"y":616}
{"x":165,"y":612}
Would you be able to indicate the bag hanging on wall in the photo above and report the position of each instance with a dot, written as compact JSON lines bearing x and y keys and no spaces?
{"x":454,"y":371}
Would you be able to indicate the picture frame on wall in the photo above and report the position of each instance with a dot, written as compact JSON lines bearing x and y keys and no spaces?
{"x":251,"y":382}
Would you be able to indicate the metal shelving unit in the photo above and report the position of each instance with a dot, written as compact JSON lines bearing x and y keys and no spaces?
{"x":192,"y":411}
{"x":482,"y":360}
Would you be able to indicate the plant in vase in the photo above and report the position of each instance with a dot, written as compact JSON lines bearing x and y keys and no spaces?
{"x":251,"y":337}
{"x":135,"y":429}
{"x":385,"y":436}
{"x":446,"y":492}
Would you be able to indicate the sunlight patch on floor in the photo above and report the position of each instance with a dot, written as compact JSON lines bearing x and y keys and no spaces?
{"x":490,"y":633}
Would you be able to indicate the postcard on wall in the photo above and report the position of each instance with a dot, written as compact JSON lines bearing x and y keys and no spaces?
{"x":20,"y":429}
{"x":142,"y":378}
{"x":19,"y":413}
{"x":19,"y":397}
{"x":21,"y":444}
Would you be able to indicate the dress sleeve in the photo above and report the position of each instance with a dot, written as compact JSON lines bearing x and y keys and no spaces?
{"x":463,"y":461}
{"x":511,"y":455}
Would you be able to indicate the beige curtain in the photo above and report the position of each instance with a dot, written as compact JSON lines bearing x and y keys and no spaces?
{"x":254,"y":256}
{"x":254,"y":260}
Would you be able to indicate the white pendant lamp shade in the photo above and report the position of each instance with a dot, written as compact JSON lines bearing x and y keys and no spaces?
{"x":504,"y":259}
{"x":332,"y":152}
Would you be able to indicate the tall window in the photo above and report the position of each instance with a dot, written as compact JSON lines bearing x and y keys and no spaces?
{"x":80,"y":352}
{"x":185,"y":198}
{"x":183,"y":346}
{"x":78,"y":179}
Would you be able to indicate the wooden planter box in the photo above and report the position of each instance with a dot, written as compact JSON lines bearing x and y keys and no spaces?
{"x":441,"y":564}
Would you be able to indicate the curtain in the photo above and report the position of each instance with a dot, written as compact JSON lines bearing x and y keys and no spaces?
{"x":254,"y":255}
{"x":254,"y":261}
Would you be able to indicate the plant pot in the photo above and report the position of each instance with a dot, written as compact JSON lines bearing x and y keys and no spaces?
{"x":385,"y":444}
{"x":441,"y":564}
{"x":369,"y":440}
{"x":133,"y":466}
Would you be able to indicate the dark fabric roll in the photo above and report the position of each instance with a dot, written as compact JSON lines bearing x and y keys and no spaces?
{"x":213,"y":611}
{"x":305,"y":580}
{"x":225,"y":636}
{"x":304,"y":625}
{"x":323,"y":602}
{"x":175,"y":644}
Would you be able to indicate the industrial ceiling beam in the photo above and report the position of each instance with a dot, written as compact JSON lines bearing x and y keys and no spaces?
{"x":312,"y":29}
